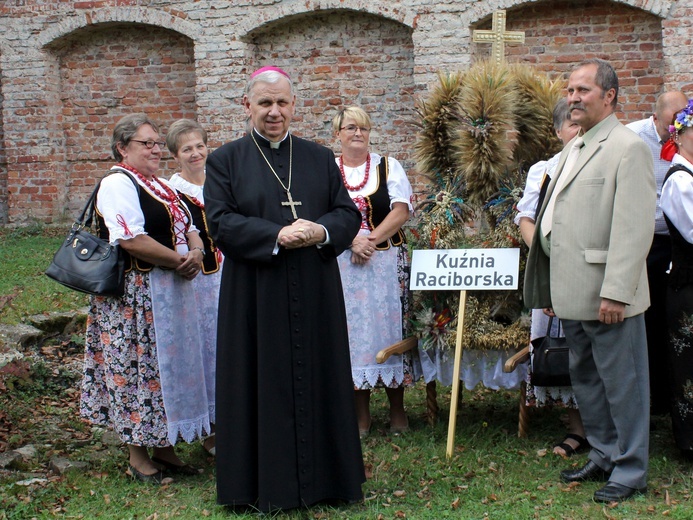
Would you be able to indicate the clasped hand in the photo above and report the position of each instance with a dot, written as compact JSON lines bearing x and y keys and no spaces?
{"x":302,"y":233}
{"x":191,"y":263}
{"x":361,"y":249}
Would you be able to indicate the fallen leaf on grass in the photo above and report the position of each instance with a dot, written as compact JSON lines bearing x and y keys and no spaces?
{"x":455,"y":503}
{"x":542,"y":452}
{"x":400,"y":514}
{"x":400,"y":493}
{"x":369,"y":470}
{"x":31,"y":481}
{"x":667,"y":498}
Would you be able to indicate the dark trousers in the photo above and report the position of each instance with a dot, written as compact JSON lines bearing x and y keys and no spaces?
{"x":608,"y":370}
{"x":658,"y":260}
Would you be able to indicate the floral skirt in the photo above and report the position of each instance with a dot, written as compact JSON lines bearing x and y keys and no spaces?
{"x":121,"y":387}
{"x":680,"y":350}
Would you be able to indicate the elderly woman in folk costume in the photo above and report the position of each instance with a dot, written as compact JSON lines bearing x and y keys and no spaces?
{"x":375,"y":269}
{"x":141,"y":376}
{"x":538,"y":178}
{"x":187,"y":142}
{"x":677,"y":205}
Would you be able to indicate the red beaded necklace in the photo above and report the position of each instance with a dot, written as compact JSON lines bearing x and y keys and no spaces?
{"x":166,"y":193}
{"x":196,"y":201}
{"x":365,"y":178}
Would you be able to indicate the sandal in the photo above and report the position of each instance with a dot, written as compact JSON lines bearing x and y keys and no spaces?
{"x":213,"y":450}
{"x":154,"y":478}
{"x":568,"y":449}
{"x":185,"y":469}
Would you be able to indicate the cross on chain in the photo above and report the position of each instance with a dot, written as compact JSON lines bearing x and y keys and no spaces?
{"x":498,"y":36}
{"x":293,"y":203}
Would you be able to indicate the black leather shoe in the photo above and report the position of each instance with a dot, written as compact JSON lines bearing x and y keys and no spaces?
{"x":589,"y":471}
{"x":614,"y":492}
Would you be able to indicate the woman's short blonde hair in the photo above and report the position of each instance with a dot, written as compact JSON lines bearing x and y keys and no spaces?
{"x":359,"y":116}
{"x":180,"y":128}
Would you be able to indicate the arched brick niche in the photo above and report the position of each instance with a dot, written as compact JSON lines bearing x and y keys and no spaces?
{"x":107,"y":71}
{"x":342,"y":58}
{"x":560,"y":34}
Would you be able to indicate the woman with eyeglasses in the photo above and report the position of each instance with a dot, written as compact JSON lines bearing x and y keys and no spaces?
{"x":375,"y":270}
{"x":141,"y":376}
{"x":187,"y":142}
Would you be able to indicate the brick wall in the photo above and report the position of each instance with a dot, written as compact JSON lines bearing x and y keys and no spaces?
{"x":557,"y":36}
{"x":69,"y":70}
{"x":341,"y":59}
{"x":110,"y":72}
{"x":3,"y":167}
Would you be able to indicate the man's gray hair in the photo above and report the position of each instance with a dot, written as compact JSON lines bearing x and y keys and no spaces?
{"x":269,"y":76}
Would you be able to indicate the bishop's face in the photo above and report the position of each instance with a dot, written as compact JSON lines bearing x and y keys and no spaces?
{"x":270,"y":107}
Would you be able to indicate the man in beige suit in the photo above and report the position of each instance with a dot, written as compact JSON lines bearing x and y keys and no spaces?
{"x":587,"y":264}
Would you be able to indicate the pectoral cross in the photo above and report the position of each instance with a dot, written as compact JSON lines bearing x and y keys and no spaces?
{"x":293,"y":203}
{"x":498,"y":36}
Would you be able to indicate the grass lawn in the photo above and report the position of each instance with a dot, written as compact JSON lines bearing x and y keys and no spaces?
{"x":493,"y":473}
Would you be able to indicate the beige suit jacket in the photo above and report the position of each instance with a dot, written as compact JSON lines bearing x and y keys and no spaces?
{"x":602,"y":230}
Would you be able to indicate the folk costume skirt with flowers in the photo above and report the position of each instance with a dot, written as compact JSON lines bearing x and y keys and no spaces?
{"x":376,"y":299}
{"x":132,"y":382}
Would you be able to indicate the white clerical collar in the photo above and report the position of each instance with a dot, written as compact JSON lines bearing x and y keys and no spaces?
{"x":272,"y":144}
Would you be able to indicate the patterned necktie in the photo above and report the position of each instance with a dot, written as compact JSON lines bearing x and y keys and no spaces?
{"x":547,"y":219}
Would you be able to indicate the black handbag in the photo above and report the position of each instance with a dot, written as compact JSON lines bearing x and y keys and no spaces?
{"x":87,"y":263}
{"x":550,"y":359}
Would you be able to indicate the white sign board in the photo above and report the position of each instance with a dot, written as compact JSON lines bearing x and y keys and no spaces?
{"x":465,"y":269}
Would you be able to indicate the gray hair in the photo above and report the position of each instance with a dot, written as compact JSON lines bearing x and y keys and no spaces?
{"x":606,"y":77}
{"x":269,"y":76}
{"x":126,"y":128}
{"x":561,"y":114}
{"x":180,"y":128}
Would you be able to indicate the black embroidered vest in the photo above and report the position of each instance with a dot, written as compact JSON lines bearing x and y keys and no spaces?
{"x":158,"y":223}
{"x":681,"y":251}
{"x":210,"y":263}
{"x":378,"y":207}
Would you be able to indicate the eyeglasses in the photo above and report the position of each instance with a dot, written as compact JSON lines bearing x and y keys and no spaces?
{"x":150,"y":144}
{"x":351,"y":129}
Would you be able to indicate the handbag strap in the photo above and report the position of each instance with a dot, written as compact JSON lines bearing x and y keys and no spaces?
{"x":88,"y":211}
{"x":548,"y":328}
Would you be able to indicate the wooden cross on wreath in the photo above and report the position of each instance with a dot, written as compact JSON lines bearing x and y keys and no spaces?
{"x":498,"y":36}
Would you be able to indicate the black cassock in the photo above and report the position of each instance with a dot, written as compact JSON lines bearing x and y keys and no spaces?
{"x":286,"y":431}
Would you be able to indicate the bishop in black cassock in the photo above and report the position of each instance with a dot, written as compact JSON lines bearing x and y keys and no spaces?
{"x":286,"y":427}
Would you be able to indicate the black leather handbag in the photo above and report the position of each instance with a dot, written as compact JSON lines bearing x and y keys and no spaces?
{"x":87,"y":263}
{"x":550,"y":359}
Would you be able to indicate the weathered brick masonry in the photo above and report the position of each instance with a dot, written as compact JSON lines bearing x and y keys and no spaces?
{"x":69,"y":70}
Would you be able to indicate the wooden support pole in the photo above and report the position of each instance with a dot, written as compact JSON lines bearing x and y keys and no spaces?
{"x":454,"y":397}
